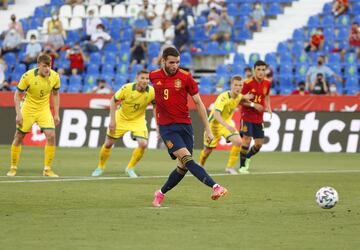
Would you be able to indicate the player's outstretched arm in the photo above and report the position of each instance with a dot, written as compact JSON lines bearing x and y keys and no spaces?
{"x":246,"y":98}
{"x":217,"y":116}
{"x":56,"y":101}
{"x":203,"y":116}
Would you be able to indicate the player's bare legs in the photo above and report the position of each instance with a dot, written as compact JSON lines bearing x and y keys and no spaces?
{"x":49,"y":152}
{"x":15,"y":152}
{"x":137,"y":154}
{"x":104,"y":156}
{"x":205,"y":153}
{"x":234,"y":154}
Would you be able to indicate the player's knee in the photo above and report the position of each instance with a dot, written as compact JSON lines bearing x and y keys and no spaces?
{"x":143,"y":144}
{"x":18,"y":138}
{"x":237,"y":142}
{"x":185,"y":159}
{"x":258,"y":146}
{"x":207,"y":150}
{"x":181,"y":170}
{"x":50,"y":138}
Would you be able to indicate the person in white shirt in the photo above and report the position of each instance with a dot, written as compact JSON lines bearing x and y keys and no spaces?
{"x":98,"y":39}
{"x":91,"y":24}
{"x":33,"y":49}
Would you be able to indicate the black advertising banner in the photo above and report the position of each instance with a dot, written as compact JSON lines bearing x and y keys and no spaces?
{"x":284,"y":131}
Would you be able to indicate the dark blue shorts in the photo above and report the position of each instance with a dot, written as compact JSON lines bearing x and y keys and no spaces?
{"x":255,"y":130}
{"x":176,"y":136}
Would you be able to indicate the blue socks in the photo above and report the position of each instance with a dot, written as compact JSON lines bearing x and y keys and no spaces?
{"x":174,"y":178}
{"x":200,"y":173}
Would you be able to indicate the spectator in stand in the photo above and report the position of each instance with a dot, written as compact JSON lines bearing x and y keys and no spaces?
{"x":102,"y":88}
{"x":169,"y":32}
{"x":340,"y":7}
{"x":3,"y":67}
{"x":354,"y":39}
{"x":141,"y":24}
{"x":76,"y":57}
{"x":138,"y":52}
{"x":182,"y":37}
{"x":218,"y":4}
{"x":248,"y":72}
{"x":319,"y":86}
{"x":33,"y":50}
{"x":256,"y":18}
{"x":168,"y":11}
{"x":98,"y":39}
{"x":313,"y":71}
{"x":333,"y":90}
{"x":16,"y":25}
{"x":12,"y":42}
{"x":91,"y":24}
{"x":4,"y":4}
{"x":5,"y":86}
{"x":316,"y":41}
{"x":301,"y":89}
{"x":212,"y":20}
{"x":50,"y":50}
{"x":154,"y":20}
{"x":56,"y":33}
{"x":223,"y":30}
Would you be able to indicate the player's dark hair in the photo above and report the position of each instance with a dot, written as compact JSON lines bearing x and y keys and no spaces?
{"x":170,"y":51}
{"x":259,"y":63}
{"x":235,"y":78}
{"x":44,"y":58}
{"x":143,"y":71}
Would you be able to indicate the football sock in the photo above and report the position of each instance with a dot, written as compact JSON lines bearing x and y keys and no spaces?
{"x":104,"y":156}
{"x":243,"y":152}
{"x":15,"y":155}
{"x":200,"y":173}
{"x":252,"y":151}
{"x":203,"y":158}
{"x":174,"y":178}
{"x":137,"y":154}
{"x":234,"y":156}
{"x":49,"y":154}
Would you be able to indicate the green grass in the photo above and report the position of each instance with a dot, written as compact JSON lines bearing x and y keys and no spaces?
{"x":264,"y":210}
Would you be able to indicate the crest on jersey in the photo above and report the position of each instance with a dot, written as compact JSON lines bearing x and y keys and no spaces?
{"x":177,"y":84}
{"x":169,"y":144}
{"x":158,"y":83}
{"x":244,"y":128}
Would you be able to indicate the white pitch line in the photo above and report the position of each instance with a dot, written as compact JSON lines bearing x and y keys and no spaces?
{"x":86,"y":178}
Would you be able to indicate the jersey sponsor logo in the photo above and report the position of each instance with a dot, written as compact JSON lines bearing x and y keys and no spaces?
{"x":169,"y":144}
{"x":177,"y":84}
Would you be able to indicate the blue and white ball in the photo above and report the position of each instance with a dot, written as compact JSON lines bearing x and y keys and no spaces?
{"x":327,"y":197}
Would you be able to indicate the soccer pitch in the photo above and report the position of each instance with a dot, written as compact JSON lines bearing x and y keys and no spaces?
{"x":272,"y":208}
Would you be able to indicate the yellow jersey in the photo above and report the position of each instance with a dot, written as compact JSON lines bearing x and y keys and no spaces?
{"x":226,"y":105}
{"x":133,"y":103}
{"x":38,"y":89}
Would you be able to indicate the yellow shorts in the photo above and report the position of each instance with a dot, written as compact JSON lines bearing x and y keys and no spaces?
{"x":218,"y":131}
{"x":138,"y":129}
{"x":44,"y":119}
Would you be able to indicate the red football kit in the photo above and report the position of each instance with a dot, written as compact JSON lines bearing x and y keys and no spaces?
{"x":259,"y":90}
{"x":171,"y":96}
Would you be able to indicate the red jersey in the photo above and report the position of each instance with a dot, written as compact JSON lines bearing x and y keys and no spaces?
{"x":76,"y":61}
{"x":298,"y":92}
{"x":171,"y":96}
{"x":317,"y":39}
{"x":259,"y":90}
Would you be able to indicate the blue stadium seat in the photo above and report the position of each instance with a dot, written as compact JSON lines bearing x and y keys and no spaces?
{"x":199,"y":34}
{"x":232,"y":9}
{"x":355,"y":9}
{"x":93,"y":67}
{"x":206,"y":85}
{"x":75,"y":80}
{"x":352,"y":83}
{"x":285,"y":68}
{"x":200,"y":20}
{"x":274,"y":9}
{"x":238,"y":69}
{"x":350,"y":58}
{"x":244,"y":9}
{"x":107,"y":69}
{"x":64,"y":82}
{"x":108,"y":78}
{"x":95,"y":57}
{"x":10,"y":59}
{"x":314,"y":22}
{"x":328,"y":21}
{"x":117,"y":24}
{"x":228,"y":47}
{"x":212,"y":48}
{"x":342,"y":21}
{"x":111,"y":47}
{"x":327,"y":8}
{"x":253,"y":57}
{"x":242,"y":34}
{"x":239,"y":58}
{"x":35,"y":22}
{"x":270,"y":58}
{"x":91,"y":79}
{"x":153,"y":48}
{"x":127,"y":35}
{"x":110,"y":58}
{"x":334,"y":58}
{"x":119,"y":81}
{"x":186,"y":60}
{"x":351,"y":71}
{"x":298,"y":34}
{"x":222,"y":69}
{"x":343,"y":34}
{"x":283,"y":48}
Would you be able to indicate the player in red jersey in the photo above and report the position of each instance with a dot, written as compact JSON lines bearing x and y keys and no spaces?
{"x":172,"y":86}
{"x":252,"y":114}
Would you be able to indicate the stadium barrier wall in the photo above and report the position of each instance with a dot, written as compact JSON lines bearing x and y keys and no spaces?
{"x":284,"y":131}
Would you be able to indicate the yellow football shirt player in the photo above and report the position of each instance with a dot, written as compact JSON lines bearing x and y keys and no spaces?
{"x":222,"y":125}
{"x":38,"y":84}
{"x":130,"y":116}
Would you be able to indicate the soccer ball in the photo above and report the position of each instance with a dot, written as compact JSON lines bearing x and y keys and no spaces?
{"x":327,"y":197}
